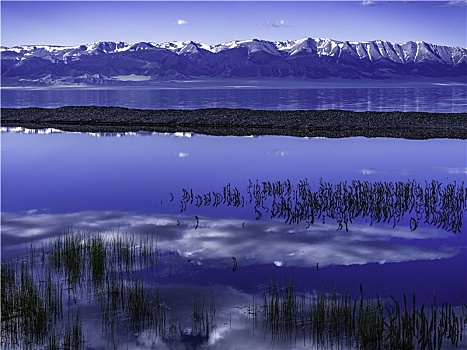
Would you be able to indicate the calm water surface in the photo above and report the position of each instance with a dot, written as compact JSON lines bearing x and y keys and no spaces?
{"x":137,"y":184}
{"x":134,"y":184}
{"x":433,"y":99}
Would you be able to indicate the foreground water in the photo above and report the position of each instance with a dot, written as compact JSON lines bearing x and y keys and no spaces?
{"x":226,"y":250}
{"x":226,"y":216}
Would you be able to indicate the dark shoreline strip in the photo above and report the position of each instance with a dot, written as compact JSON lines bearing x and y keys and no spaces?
{"x":242,"y":122}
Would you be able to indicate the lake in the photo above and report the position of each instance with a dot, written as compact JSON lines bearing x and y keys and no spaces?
{"x":239,"y":221}
{"x":434,"y":98}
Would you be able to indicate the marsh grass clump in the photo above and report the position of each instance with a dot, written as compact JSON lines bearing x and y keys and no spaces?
{"x":73,"y":338}
{"x":341,"y":322}
{"x":29,"y":307}
{"x":103,"y":270}
{"x":97,"y":258}
{"x":141,"y":303}
{"x":202,"y":318}
{"x":68,"y":256}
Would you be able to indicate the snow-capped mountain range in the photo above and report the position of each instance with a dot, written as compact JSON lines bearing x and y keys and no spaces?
{"x":148,"y":63}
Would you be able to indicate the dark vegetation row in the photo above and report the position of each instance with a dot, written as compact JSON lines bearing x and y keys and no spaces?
{"x":39,"y":309}
{"x":221,"y":121}
{"x":432,"y":203}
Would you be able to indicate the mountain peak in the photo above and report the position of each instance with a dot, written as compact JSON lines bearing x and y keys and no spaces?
{"x":306,"y":58}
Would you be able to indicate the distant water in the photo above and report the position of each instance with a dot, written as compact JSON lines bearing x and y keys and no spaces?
{"x":434,"y":99}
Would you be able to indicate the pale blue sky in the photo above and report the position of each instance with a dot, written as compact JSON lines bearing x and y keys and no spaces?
{"x":80,"y":22}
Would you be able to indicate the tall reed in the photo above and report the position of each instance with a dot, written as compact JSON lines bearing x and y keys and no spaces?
{"x":336,"y":321}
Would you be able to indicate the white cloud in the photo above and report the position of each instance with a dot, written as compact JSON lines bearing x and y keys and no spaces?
{"x":277,"y":24}
{"x":280,"y":23}
{"x":368,"y":3}
{"x":183,"y":154}
{"x":181,"y":22}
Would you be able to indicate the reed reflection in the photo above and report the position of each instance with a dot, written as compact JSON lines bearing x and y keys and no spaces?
{"x":432,"y":203}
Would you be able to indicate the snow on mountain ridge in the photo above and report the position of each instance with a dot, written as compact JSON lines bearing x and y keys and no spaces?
{"x":405,"y":52}
{"x":306,"y":58}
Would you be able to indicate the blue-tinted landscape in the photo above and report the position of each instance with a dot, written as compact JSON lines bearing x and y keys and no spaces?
{"x":155,"y":240}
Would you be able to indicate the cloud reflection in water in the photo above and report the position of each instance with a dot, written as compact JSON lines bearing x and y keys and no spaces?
{"x":251,"y":242}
